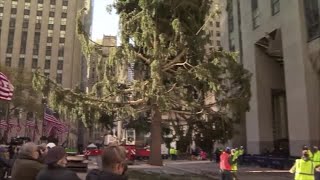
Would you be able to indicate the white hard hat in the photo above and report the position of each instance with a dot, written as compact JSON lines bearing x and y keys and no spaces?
{"x":51,"y":145}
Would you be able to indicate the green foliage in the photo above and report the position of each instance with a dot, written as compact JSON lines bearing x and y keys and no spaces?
{"x":173,"y":71}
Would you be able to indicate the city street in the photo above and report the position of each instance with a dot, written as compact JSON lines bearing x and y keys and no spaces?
{"x":192,"y":169}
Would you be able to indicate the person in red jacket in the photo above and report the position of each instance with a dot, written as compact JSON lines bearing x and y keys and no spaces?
{"x":225,"y":164}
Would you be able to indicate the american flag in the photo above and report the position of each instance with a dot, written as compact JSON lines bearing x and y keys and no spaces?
{"x":30,"y":123}
{"x":3,"y":124}
{"x":6,"y":88}
{"x":51,"y":122}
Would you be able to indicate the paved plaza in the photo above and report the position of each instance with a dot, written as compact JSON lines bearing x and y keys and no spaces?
{"x":202,"y":168}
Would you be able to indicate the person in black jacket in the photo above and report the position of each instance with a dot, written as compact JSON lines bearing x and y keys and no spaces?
{"x":113,"y":165}
{"x":56,"y":160}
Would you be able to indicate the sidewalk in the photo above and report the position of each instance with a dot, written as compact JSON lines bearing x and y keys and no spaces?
{"x":203,"y":168}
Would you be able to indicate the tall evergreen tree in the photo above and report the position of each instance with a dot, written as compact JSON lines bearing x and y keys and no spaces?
{"x":174,"y":74}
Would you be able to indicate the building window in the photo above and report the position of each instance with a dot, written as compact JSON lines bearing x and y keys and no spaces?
{"x":218,"y":43}
{"x":232,"y":46}
{"x":275,"y":6}
{"x":64,"y":15}
{"x":39,"y":13}
{"x":36,"y":43}
{"x":312,"y":14}
{"x":47,"y":64}
{"x":61,"y":52}
{"x":62,"y":34}
{"x":1,"y":9}
{"x":12,"y":22}
{"x":51,"y":14}
{"x":48,"y":50}
{"x":40,"y":7}
{"x":63,"y":21}
{"x":230,"y":16}
{"x":49,"y":39}
{"x":40,"y":1}
{"x":10,"y":41}
{"x":53,"y":2}
{"x":46,"y":74}
{"x":26,"y":12}
{"x":60,"y":65}
{"x":50,"y":26}
{"x":62,"y":27}
{"x":21,"y":63}
{"x":50,"y":33}
{"x":8,"y":61}
{"x":62,"y":40}
{"x":27,"y":1}
{"x":34,"y":63}
{"x":25,"y":23}
{"x":23,"y":45}
{"x":59,"y":78}
{"x":38,"y":25}
{"x":217,"y":24}
{"x":26,"y":5}
{"x":255,"y":14}
{"x":13,"y":10}
{"x":65,"y":3}
{"x":218,"y":33}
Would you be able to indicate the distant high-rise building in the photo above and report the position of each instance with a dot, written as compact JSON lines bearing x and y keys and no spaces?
{"x":279,"y":43}
{"x":42,"y":34}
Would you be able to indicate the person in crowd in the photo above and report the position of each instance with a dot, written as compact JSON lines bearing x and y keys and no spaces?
{"x":56,"y":161}
{"x":225,"y":164}
{"x":317,"y":172}
{"x":303,"y":168}
{"x":235,"y":153}
{"x":50,"y":145}
{"x":27,"y":166}
{"x":113,"y":165}
{"x":217,"y":154}
{"x":43,"y":150}
{"x":316,"y":155}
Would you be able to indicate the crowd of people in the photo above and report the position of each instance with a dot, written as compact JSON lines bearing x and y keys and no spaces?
{"x":49,"y":162}
{"x":228,"y":162}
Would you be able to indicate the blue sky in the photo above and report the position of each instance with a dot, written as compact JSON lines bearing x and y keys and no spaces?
{"x":103,"y":22}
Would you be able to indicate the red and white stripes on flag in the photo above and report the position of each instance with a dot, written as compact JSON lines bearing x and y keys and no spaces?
{"x":51,"y":122}
{"x":6,"y":88}
{"x":30,"y":123}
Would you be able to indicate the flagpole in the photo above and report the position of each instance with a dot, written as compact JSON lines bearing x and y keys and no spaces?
{"x":7,"y":119}
{"x":44,"y":112}
{"x":34,"y":129}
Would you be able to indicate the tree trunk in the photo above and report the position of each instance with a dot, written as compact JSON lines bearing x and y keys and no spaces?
{"x":156,"y":138}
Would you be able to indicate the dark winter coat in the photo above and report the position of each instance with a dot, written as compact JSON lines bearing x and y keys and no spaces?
{"x":103,"y":175}
{"x":26,"y":168}
{"x":57,"y":173}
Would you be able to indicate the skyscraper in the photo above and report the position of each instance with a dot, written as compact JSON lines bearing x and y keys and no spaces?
{"x":42,"y":34}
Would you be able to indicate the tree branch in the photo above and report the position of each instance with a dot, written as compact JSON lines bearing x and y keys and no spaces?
{"x":174,"y":85}
{"x":143,"y":58}
{"x":175,"y":60}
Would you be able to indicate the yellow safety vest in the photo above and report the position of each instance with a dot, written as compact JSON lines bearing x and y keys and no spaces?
{"x":304,"y":170}
{"x":234,"y":165}
{"x":171,"y":151}
{"x":316,"y":158}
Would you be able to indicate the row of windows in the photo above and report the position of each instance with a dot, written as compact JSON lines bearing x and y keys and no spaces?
{"x":52,"y":2}
{"x":34,"y":65}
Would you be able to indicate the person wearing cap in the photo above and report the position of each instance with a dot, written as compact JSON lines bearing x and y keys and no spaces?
{"x":51,"y":145}
{"x":27,"y":166}
{"x":303,"y":168}
{"x":113,"y":165}
{"x":225,"y":164}
{"x":234,"y":165}
{"x":56,"y":161}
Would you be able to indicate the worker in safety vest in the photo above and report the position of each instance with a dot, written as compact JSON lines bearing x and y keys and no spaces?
{"x":316,"y":156}
{"x":306,"y":148}
{"x":303,"y":168}
{"x":235,"y":153}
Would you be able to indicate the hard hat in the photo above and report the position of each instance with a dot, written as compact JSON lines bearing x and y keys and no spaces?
{"x":51,"y":145}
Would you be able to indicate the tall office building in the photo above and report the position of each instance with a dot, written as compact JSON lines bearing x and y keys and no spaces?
{"x":279,"y":42}
{"x":42,"y":34}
